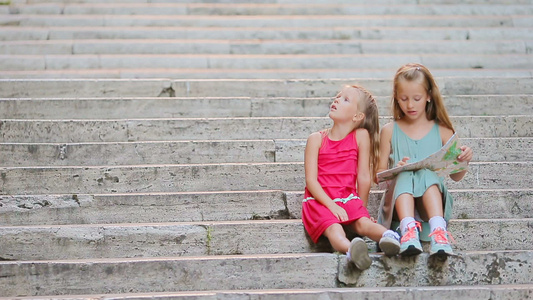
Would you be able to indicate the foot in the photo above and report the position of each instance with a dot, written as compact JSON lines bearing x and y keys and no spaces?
{"x":440,"y":245}
{"x":359,"y":254}
{"x":410,"y":242}
{"x":390,"y":243}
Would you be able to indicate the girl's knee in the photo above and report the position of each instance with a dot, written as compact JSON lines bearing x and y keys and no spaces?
{"x":334,"y":229}
{"x":365,"y":223}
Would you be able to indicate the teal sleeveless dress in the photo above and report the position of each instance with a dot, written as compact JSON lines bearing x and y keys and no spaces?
{"x":413,"y":182}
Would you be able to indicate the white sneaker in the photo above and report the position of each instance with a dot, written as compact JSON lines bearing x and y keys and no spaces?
{"x":359,"y":254}
{"x":390,"y":243}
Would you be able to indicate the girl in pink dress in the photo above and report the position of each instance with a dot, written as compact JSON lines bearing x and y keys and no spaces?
{"x":340,"y":164}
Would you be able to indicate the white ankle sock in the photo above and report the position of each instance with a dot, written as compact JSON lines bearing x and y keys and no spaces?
{"x":406,"y":221}
{"x":437,"y":222}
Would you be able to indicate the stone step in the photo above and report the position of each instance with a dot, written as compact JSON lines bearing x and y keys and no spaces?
{"x":359,"y":2}
{"x":265,"y":62}
{"x":224,"y":74}
{"x":215,"y":177}
{"x":261,"y":88}
{"x":79,"y":131}
{"x":20,"y":210}
{"x":271,"y":271}
{"x":16,"y":33}
{"x":220,"y":238}
{"x":458,"y":292}
{"x":202,"y":152}
{"x":485,"y":149}
{"x":266,"y":9}
{"x":162,"y":46}
{"x":215,"y":107}
{"x":277,"y":21}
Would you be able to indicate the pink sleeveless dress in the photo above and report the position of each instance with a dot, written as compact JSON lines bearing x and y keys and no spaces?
{"x":337,"y":174}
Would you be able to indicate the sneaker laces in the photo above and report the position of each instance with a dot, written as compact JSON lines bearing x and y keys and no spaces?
{"x":410,"y":234}
{"x":440,"y":236}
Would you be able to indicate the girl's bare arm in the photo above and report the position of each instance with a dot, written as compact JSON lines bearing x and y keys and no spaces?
{"x":363,"y":165}
{"x":385,"y":147}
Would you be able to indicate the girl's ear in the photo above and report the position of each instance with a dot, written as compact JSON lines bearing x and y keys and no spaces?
{"x":358,"y":117}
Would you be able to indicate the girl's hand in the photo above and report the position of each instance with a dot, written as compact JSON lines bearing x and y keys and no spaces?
{"x":339,"y":212}
{"x":466,"y":154}
{"x":403,"y":162}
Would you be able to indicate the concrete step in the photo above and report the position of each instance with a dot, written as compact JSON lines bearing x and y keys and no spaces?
{"x":277,"y":21}
{"x":485,"y":149}
{"x":166,"y":46}
{"x":281,"y":271}
{"x":220,"y":238}
{"x":20,"y":210}
{"x":215,"y":107}
{"x":266,"y":9}
{"x":261,"y":88}
{"x":265,"y":62}
{"x":224,"y":74}
{"x":79,"y":131}
{"x":202,"y":152}
{"x":458,"y":292}
{"x":359,"y":2}
{"x":14,"y":33}
{"x":217,"y":177}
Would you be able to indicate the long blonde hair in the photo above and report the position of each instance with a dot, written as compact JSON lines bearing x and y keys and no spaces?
{"x":435,"y":109}
{"x":371,"y":124}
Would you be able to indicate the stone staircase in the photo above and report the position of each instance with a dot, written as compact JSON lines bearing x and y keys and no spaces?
{"x":155,"y":150}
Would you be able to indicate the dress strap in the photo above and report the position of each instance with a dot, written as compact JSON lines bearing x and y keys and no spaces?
{"x":324,"y":133}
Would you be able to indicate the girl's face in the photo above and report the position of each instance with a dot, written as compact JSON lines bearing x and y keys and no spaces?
{"x":412,"y":98}
{"x":345,"y":105}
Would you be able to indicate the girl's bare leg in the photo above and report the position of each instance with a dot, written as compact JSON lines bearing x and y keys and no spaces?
{"x":405,"y":206}
{"x":337,"y":238}
{"x":431,"y":204}
{"x":365,"y":227}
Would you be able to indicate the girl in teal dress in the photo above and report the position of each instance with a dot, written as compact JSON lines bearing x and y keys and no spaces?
{"x":419,"y":199}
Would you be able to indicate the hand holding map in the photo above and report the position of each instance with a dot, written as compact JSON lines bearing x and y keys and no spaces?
{"x":443,"y":162}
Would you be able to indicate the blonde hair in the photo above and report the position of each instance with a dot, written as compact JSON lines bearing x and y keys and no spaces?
{"x":435,"y":109}
{"x":371,"y":124}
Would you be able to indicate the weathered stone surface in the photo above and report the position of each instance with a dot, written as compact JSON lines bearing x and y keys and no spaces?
{"x":206,"y":107}
{"x":137,"y":153}
{"x":268,"y":21}
{"x":265,"y":62}
{"x":258,"y":9}
{"x":482,"y":292}
{"x":75,"y":277}
{"x":224,"y":206}
{"x":201,"y":152}
{"x":215,"y":177}
{"x":85,"y":87}
{"x":470,"y":268}
{"x":170,"y":46}
{"x":76,"y":131}
{"x":222,"y":238}
{"x":143,"y":208}
{"x":224,"y":74}
{"x":23,"y":88}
